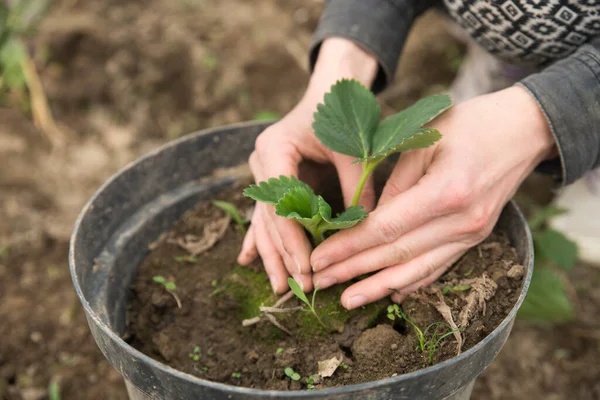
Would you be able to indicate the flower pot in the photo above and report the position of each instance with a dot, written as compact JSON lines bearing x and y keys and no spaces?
{"x":143,"y":200}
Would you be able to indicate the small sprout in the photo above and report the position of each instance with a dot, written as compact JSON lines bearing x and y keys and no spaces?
{"x":455,"y":289}
{"x":236,"y":375}
{"x":186,"y":259}
{"x":293,"y":375}
{"x":344,"y":365}
{"x":205,"y":369}
{"x":233,"y":212}
{"x":310,"y":382}
{"x":469,"y":272}
{"x":169,"y":286}
{"x":54,"y":391}
{"x":300,"y":295}
{"x":210,"y":353}
{"x":278,"y":351}
{"x":214,"y":283}
{"x":195,"y":354}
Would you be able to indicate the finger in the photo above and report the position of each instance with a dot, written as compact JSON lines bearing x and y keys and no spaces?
{"x":292,"y":266}
{"x":399,"y":277}
{"x":426,"y":238}
{"x":407,"y":172}
{"x":248,"y":253}
{"x":271,"y":260}
{"x":387,"y":223}
{"x":350,"y":175}
{"x":296,"y":244}
{"x":398,"y":298}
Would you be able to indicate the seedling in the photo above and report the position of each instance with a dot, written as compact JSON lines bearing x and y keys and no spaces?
{"x":210,"y":352}
{"x":310,"y":382}
{"x":169,"y":287}
{"x":300,"y":295}
{"x":293,"y":375}
{"x":236,"y":375}
{"x":278,"y":351}
{"x":186,"y":259}
{"x":455,"y":289}
{"x":214,"y":283}
{"x":344,"y":365}
{"x":348,"y":123}
{"x":195,"y":354}
{"x":234,"y":212}
{"x":426,"y":345}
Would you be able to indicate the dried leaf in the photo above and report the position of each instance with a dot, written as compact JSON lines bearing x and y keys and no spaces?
{"x":328,"y":367}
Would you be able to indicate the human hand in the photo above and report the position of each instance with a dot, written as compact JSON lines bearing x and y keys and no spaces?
{"x":439,"y":201}
{"x":283,"y":149}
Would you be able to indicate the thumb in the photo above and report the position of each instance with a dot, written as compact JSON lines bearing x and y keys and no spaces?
{"x":349,"y":175}
{"x":407,"y":172}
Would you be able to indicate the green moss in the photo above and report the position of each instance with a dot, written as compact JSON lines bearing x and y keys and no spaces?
{"x":251,"y":289}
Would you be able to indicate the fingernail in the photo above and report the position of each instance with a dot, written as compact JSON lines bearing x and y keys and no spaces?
{"x":298,"y":278}
{"x":320,"y":264}
{"x":324,"y":283}
{"x":356,"y":301}
{"x":297,"y":264}
{"x":273,"y":284}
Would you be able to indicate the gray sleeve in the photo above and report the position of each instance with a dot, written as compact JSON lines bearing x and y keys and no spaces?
{"x":568,"y":93}
{"x":378,"y":26}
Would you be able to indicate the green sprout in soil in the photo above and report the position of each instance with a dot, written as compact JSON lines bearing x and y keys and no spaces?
{"x":236,"y":375}
{"x":169,"y":287}
{"x":54,"y":391}
{"x":426,"y":345}
{"x":214,"y":283}
{"x":344,"y":365}
{"x":293,"y":375}
{"x":455,"y":289}
{"x":310,"y":382}
{"x":278,"y":351}
{"x":300,"y":295}
{"x":233,"y":212}
{"x":348,"y":123}
{"x":195,"y":354}
{"x":186,"y":259}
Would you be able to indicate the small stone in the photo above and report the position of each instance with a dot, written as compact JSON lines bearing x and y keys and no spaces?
{"x":394,"y":346}
{"x":252,"y":355}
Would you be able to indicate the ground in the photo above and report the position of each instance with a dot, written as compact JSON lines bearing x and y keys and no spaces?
{"x":124,"y":77}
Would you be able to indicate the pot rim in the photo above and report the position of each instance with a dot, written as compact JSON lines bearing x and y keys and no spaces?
{"x":91,"y":314}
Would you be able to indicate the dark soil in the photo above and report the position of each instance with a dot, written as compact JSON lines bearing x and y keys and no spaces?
{"x":371,"y":347}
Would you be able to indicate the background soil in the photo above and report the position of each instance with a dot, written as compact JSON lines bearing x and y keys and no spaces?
{"x":126,"y":76}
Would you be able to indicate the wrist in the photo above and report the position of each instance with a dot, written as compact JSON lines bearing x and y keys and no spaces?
{"x":533,"y":122}
{"x":339,"y":58}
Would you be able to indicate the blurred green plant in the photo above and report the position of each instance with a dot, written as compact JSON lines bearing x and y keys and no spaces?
{"x":548,"y":299}
{"x":266,"y":115}
{"x":19,"y":81}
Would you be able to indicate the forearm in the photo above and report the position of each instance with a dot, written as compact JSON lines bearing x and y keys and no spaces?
{"x":568,"y":93}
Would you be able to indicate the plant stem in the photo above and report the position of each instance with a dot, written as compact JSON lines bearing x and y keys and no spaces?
{"x":368,"y":168}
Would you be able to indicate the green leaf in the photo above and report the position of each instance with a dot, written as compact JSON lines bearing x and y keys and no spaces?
{"x":556,"y":248}
{"x":347,"y":219}
{"x":272,"y":190}
{"x":547,"y":299}
{"x":159,"y":279}
{"x":347,"y":119}
{"x":170,"y":286}
{"x":12,"y":54}
{"x":404,"y":131}
{"x":295,"y":376}
{"x":542,"y":216}
{"x":289,"y":372}
{"x":301,"y":204}
{"x":54,"y":391}
{"x":231,"y":210}
{"x":298,"y":291}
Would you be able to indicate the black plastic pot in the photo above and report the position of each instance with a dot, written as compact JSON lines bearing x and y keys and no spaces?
{"x":143,"y":200}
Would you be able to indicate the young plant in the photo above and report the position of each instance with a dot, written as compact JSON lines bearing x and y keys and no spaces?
{"x":169,"y":287}
{"x":311,"y":382}
{"x":455,"y":289}
{"x":348,"y":123}
{"x":300,"y":295}
{"x":426,"y":345}
{"x":236,"y":375}
{"x":186,"y":259}
{"x":234,"y":212}
{"x":195,"y":354}
{"x":293,"y":375}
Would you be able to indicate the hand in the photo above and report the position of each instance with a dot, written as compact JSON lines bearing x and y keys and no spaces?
{"x":439,"y":201}
{"x":283,"y":148}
